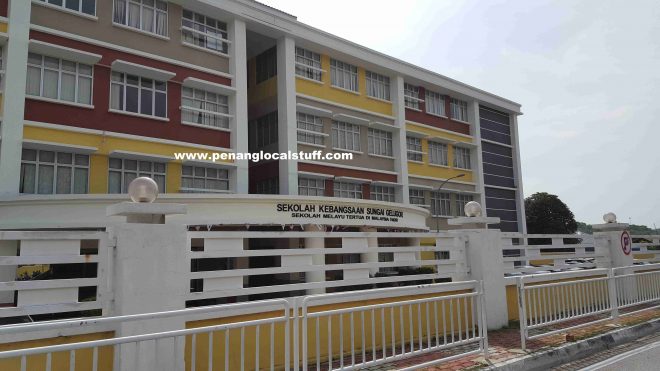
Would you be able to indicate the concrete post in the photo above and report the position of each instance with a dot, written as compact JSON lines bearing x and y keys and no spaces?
{"x":372,"y":243}
{"x":150,"y":276}
{"x":13,"y":106}
{"x":318,"y":260}
{"x":286,"y":113}
{"x":238,"y":68}
{"x":614,"y":239}
{"x":486,"y":263}
{"x":399,"y":140}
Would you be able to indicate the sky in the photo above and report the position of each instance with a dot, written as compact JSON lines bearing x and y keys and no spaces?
{"x":587,"y":74}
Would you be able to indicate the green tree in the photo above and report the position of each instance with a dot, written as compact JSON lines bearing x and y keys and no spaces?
{"x":584,"y":228}
{"x":547,"y":214}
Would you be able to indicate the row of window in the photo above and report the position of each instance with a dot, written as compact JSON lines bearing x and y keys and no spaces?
{"x":53,"y":172}
{"x":438,"y":153}
{"x":344,"y":75}
{"x":316,"y":187}
{"x":441,"y":202}
{"x":151,"y":16}
{"x":69,"y":81}
{"x":344,"y":135}
{"x":435,"y":103}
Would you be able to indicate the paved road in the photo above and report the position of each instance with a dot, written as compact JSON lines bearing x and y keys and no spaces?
{"x":643,"y":358}
{"x":641,"y":354}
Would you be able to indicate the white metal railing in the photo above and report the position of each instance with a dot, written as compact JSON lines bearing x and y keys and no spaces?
{"x":33,"y":283}
{"x":374,"y":333}
{"x":584,"y":301}
{"x":356,"y":257}
{"x":544,"y":253}
{"x":166,"y":350}
{"x":646,"y":245}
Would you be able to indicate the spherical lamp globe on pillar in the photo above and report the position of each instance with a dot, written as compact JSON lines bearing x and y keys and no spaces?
{"x":143,"y":189}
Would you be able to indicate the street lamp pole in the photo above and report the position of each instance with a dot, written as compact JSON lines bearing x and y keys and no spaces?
{"x":437,"y":218}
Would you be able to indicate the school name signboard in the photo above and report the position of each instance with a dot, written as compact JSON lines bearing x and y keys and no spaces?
{"x":339,"y":212}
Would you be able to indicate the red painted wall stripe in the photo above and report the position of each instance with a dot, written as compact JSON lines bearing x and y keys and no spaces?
{"x":435,"y":121}
{"x":100,"y":119}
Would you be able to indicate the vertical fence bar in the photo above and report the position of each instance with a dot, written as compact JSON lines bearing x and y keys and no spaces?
{"x":614,"y":302}
{"x":522,"y":313}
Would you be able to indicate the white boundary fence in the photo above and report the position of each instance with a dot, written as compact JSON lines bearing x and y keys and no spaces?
{"x":608,"y":292}
{"x":164,"y":350}
{"x":405,"y":328}
{"x":386,"y":332}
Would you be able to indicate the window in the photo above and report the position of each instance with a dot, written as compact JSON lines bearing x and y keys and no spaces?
{"x":345,"y":136}
{"x":416,"y":196}
{"x":137,"y":94}
{"x":270,"y":186}
{"x":414,"y":146}
{"x":438,"y":153}
{"x":458,"y":110}
{"x":378,"y":86}
{"x":343,"y":75}
{"x":48,"y":172}
{"x":382,"y":193}
{"x":197,"y":178}
{"x":311,"y":187}
{"x":308,"y":64}
{"x":59,"y":79}
{"x":146,"y":15}
{"x":123,"y":171}
{"x":440,"y":204}
{"x":380,"y":142}
{"x":264,"y":131}
{"x":266,"y":65}
{"x":204,"y":108}
{"x":435,"y":103}
{"x":308,"y":127}
{"x":82,"y":6}
{"x":461,"y":200}
{"x":348,"y":190}
{"x":206,"y":32}
{"x":411,"y":96}
{"x":462,"y":158}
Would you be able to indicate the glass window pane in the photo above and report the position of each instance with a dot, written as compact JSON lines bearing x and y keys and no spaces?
{"x":33,"y":81}
{"x":47,"y":156}
{"x":28,"y":172}
{"x":73,"y":4}
{"x":50,"y":84}
{"x":45,"y":178}
{"x":29,"y":155}
{"x":89,"y":7}
{"x":132,"y":99}
{"x":145,"y":166}
{"x":82,"y":160}
{"x":117,"y":97}
{"x":161,"y":105}
{"x":84,"y":90}
{"x":128,"y":178}
{"x":114,"y":182}
{"x":63,"y":180}
{"x":68,"y":92}
{"x":64,"y":158}
{"x":130,"y":164}
{"x":80,"y":181}
{"x":146,"y":102}
{"x":187,"y":170}
{"x":115,"y":163}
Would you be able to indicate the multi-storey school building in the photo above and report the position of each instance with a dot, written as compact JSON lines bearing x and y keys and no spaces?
{"x":98,"y":92}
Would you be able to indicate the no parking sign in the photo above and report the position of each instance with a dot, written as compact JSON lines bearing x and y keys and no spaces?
{"x":626,"y":242}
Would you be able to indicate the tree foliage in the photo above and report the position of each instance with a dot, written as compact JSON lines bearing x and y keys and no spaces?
{"x":547,"y":214}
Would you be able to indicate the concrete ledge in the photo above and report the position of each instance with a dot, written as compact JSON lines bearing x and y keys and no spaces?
{"x":567,"y":353}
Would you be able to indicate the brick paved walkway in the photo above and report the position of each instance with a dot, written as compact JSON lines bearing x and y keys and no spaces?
{"x":504,"y":345}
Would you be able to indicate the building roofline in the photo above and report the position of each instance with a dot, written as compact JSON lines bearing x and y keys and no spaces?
{"x":251,"y":10}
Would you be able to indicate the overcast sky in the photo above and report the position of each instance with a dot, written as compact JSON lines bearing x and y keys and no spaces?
{"x":586,"y":72}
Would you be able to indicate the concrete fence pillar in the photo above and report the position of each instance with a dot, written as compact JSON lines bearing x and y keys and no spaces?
{"x":486,"y":263}
{"x":372,"y":243}
{"x":151,"y":270}
{"x":613,"y":239}
{"x":317,"y":260}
